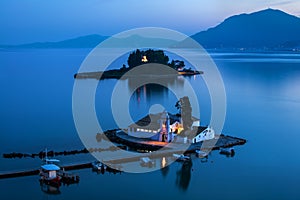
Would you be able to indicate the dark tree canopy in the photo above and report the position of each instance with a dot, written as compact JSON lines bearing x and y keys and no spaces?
{"x":135,"y":59}
{"x":177,"y":64}
{"x":186,"y":112}
{"x":139,"y":57}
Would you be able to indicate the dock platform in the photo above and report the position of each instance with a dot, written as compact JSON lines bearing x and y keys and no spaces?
{"x":220,"y":141}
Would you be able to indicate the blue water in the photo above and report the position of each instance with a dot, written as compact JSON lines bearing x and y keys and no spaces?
{"x":263,"y":106}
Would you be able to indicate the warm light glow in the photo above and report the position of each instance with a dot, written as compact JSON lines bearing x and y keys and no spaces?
{"x":177,"y":127}
{"x":144,"y":59}
{"x":163,"y":162}
{"x":179,"y":130}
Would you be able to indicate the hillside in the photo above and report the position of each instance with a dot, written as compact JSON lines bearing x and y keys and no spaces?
{"x":263,"y":29}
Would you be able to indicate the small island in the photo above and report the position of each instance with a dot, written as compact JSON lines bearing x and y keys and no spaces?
{"x":140,"y":57}
{"x":170,"y":131}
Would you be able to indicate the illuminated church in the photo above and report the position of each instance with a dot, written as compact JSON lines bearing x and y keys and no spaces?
{"x":165,"y":127}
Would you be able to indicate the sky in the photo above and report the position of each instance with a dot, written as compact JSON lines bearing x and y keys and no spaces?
{"x":25,"y":21}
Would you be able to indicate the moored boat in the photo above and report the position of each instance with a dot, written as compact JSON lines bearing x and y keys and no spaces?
{"x":201,"y":154}
{"x":181,"y":157}
{"x":98,"y":166}
{"x":227,"y":151}
{"x":146,"y":162}
{"x":48,"y":174}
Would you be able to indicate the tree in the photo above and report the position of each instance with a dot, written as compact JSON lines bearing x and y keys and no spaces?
{"x":185,"y":108}
{"x":136,"y":58}
{"x":123,"y":68}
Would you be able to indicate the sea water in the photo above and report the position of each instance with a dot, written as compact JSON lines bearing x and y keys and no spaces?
{"x":263,"y":107}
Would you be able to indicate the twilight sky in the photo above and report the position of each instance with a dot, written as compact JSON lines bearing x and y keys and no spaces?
{"x":24,"y":21}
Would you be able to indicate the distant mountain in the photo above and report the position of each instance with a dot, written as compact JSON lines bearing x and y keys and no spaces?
{"x":91,"y":41}
{"x":88,"y":41}
{"x":264,"y":29}
{"x":137,"y":41}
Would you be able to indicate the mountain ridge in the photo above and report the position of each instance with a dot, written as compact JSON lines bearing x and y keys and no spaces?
{"x":86,"y":41}
{"x":264,"y":29}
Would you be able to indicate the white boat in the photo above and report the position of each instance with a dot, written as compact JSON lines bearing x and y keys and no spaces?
{"x":146,"y":162}
{"x":181,"y":157}
{"x":201,"y":154}
{"x":98,"y":166}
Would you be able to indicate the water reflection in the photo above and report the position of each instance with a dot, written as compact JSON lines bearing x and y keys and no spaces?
{"x":183,"y":175}
{"x":148,"y":91}
{"x":164,"y":167}
{"x":167,"y":80}
{"x":158,"y":86}
{"x":51,"y":190}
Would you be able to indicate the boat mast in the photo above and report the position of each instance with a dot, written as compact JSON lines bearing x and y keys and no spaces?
{"x":46,"y":158}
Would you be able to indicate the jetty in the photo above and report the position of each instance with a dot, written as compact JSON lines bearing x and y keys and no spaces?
{"x":67,"y":177}
{"x":222,"y":141}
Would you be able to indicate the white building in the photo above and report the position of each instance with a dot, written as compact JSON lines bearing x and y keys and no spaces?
{"x":206,"y":134}
{"x":164,"y":127}
{"x":154,"y":126}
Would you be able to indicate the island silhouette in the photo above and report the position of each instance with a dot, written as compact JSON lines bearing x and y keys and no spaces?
{"x":143,"y":57}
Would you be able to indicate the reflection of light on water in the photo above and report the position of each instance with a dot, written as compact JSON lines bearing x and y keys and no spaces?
{"x":163,"y":162}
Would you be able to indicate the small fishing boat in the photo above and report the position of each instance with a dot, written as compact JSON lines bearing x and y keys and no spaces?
{"x":146,"y":162}
{"x":48,"y":174}
{"x":227,"y":151}
{"x":181,"y":157}
{"x":51,"y":174}
{"x":201,"y":154}
{"x":98,"y":166}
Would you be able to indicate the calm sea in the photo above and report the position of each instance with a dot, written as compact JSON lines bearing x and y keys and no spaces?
{"x":263,"y":106}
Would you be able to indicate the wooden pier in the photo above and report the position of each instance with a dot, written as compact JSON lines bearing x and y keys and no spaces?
{"x":220,"y":141}
{"x":67,"y":176}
